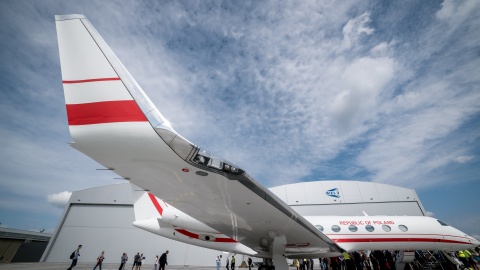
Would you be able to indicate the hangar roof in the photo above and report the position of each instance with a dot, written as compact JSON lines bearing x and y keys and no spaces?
{"x":374,"y":198}
{"x":24,"y":235}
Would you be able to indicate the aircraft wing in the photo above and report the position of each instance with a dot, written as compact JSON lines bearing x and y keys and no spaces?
{"x":112,"y":121}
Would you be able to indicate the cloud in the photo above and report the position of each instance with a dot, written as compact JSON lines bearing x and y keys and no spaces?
{"x":354,"y":29}
{"x":464,"y":159}
{"x":59,"y":199}
{"x":362,"y":83}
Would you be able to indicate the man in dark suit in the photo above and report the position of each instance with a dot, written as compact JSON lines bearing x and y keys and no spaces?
{"x":163,"y":260}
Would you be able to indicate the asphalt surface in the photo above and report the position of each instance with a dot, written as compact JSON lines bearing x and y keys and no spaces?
{"x":89,"y":266}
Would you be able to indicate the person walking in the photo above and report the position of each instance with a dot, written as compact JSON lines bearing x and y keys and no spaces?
{"x":163,"y":260}
{"x":227,"y":264}
{"x":296,"y":263}
{"x":232,"y":264}
{"x":136,"y":261}
{"x":217,"y":262}
{"x":123,"y":260}
{"x":142,"y":260}
{"x":100,"y":260}
{"x":74,"y":256}
{"x":155,"y":266}
{"x":249,"y":261}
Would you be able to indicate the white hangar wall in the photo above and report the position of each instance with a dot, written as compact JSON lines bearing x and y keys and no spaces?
{"x":349,"y":198}
{"x":101,"y":219}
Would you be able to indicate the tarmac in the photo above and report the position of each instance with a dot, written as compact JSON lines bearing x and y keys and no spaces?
{"x":89,"y":266}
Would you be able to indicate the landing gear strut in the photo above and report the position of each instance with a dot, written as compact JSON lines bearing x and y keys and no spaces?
{"x":267,"y":265}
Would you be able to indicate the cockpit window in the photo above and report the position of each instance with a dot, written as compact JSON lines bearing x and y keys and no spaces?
{"x":442,"y":223}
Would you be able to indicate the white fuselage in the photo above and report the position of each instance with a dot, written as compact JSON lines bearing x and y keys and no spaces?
{"x":349,"y":232}
{"x":392,"y":232}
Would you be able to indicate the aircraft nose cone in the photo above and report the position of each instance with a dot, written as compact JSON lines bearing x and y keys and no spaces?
{"x":476,"y":242}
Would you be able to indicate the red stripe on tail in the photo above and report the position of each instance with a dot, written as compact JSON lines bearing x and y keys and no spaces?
{"x":155,"y":202}
{"x":104,"y":112}
{"x":91,"y":80}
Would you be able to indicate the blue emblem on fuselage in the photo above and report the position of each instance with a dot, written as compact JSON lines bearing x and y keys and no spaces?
{"x":333,"y":193}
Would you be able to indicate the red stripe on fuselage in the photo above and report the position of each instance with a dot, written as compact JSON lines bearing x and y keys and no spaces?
{"x":196,"y":236}
{"x":104,"y":112}
{"x":91,"y":80}
{"x":155,"y":203}
{"x":379,"y":240}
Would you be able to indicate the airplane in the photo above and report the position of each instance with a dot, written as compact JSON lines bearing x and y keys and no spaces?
{"x":206,"y":200}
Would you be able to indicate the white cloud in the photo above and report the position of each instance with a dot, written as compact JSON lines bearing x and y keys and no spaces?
{"x":464,"y":159}
{"x":456,"y":12}
{"x":59,"y":199}
{"x":362,"y":82}
{"x":354,"y":29}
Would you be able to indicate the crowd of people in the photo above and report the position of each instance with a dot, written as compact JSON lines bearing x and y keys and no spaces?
{"x":159,"y":262}
{"x":469,"y":258}
{"x":386,"y":260}
{"x":357,"y":260}
{"x":230,"y":264}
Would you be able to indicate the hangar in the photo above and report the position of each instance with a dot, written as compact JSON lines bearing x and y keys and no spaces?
{"x":22,"y":246}
{"x":101,"y":219}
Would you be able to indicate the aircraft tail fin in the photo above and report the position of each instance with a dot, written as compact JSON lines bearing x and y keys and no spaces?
{"x":148,"y":210}
{"x":98,"y":88}
{"x":147,"y":206}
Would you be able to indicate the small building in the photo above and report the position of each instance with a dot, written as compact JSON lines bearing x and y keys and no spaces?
{"x":22,"y":246}
{"x":101,"y":219}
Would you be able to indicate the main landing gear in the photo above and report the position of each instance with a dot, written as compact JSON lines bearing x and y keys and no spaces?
{"x":267,"y":265}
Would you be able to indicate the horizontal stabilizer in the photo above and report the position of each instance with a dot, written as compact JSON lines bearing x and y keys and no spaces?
{"x":152,"y":225}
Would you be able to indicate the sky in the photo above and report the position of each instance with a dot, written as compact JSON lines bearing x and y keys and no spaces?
{"x":290,"y":91}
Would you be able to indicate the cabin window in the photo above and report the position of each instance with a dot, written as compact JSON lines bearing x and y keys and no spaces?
{"x":352,"y":228}
{"x":369,"y":228}
{"x":386,"y":228}
{"x":319,"y":227}
{"x":335,"y":228}
{"x":403,"y":228}
{"x":442,"y":223}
